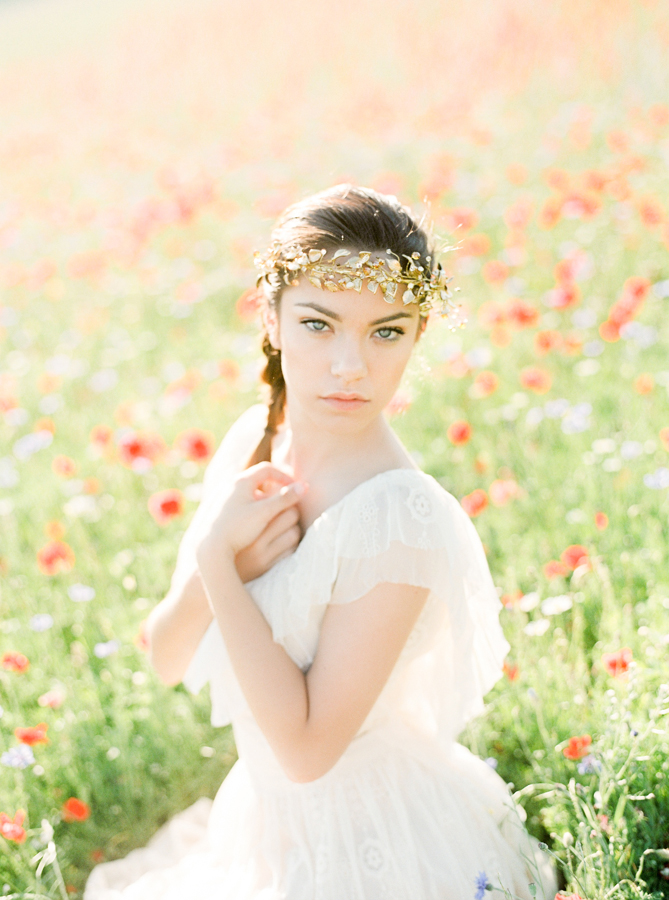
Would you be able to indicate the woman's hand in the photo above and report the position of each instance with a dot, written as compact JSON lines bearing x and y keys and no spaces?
{"x":253,"y":513}
{"x":279,"y":539}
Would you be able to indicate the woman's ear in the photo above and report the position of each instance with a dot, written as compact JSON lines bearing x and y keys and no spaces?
{"x":271,"y":323}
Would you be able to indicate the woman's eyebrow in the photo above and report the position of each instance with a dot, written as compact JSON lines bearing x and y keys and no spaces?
{"x":337,"y":318}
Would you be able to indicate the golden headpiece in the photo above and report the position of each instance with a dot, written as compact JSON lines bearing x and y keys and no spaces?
{"x":429,"y":289}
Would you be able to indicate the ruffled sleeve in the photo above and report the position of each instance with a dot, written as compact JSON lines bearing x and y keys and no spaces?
{"x":228,"y":460}
{"x":407,"y":529}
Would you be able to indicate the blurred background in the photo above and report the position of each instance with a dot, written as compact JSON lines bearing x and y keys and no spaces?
{"x":145,"y":150}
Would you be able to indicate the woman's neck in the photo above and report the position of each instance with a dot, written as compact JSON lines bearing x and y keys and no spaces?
{"x":309,"y":451}
{"x":334,"y":463}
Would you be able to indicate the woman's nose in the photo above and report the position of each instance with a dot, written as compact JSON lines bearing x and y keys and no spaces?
{"x":348,"y":363}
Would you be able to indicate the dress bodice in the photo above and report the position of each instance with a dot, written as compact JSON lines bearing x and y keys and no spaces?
{"x":400,"y":526}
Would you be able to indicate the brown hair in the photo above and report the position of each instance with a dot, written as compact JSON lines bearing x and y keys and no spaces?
{"x":342,"y":216}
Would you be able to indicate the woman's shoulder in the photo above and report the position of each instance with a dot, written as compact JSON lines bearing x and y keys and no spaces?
{"x":404,"y":504}
{"x":409,"y":487}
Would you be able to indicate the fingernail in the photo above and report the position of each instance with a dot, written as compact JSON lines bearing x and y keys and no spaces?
{"x":300,"y":487}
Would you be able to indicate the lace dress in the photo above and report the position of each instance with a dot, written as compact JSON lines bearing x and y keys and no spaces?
{"x":406,"y":813}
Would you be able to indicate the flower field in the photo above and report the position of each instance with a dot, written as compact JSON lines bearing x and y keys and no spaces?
{"x":145,"y":150}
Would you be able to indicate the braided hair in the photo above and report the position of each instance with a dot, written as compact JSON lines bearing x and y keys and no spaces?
{"x":346,"y":217}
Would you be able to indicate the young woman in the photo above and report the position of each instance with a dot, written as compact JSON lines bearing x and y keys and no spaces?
{"x":339,"y":602}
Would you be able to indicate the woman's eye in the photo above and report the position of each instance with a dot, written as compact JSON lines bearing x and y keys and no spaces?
{"x":315,"y":324}
{"x":389,"y":334}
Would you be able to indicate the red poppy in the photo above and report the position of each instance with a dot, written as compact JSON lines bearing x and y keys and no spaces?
{"x":618,"y":141}
{"x":64,"y":466}
{"x":617,"y":663}
{"x":166,"y":505}
{"x":555,"y":569}
{"x":135,"y":444}
{"x":502,"y":490}
{"x":509,"y":601}
{"x":522,"y":314}
{"x":544,"y":341}
{"x":55,"y":557}
{"x":516,"y":174}
{"x":595,"y":181}
{"x":557,"y":179}
{"x":631,"y":301}
{"x":15,"y":662}
{"x":184,"y":385}
{"x":501,"y":336}
{"x":580,"y":205}
{"x":55,"y":530}
{"x":571,"y":344}
{"x":601,"y":520}
{"x":510,"y":670}
{"x":32,"y":736}
{"x":651,"y":212}
{"x":609,"y":332}
{"x":577,"y":747}
{"x":474,"y":245}
{"x":644,"y":383}
{"x":486,"y":383}
{"x":75,"y":810}
{"x":551,"y":212}
{"x":474,"y":503}
{"x":400,"y":403}
{"x":491,"y":313}
{"x":495,"y":272}
{"x":11,"y":829}
{"x":461,"y":219}
{"x":564,"y":295}
{"x":459,"y":432}
{"x":101,"y":435}
{"x":565,"y":270}
{"x":195,"y":444}
{"x":519,"y":214}
{"x":664,"y":437}
{"x":229,"y":369}
{"x":249,"y":303}
{"x":575,"y":555}
{"x":535,"y":379}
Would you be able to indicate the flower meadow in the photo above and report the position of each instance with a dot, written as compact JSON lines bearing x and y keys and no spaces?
{"x":144,"y":154}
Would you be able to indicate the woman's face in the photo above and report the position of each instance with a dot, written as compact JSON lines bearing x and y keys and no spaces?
{"x":342,"y":353}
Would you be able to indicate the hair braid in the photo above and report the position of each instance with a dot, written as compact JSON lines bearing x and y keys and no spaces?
{"x":273,"y":376}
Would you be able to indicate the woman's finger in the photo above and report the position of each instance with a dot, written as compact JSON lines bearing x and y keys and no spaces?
{"x":286,"y":497}
{"x":283,"y":555}
{"x":280,"y":523}
{"x":265,"y":471}
{"x":286,"y":541}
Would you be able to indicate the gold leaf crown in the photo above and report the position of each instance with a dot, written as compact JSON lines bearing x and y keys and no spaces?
{"x":429,"y":289}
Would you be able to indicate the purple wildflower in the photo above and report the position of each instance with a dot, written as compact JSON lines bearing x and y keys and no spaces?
{"x":481,"y":885}
{"x":589,"y":764}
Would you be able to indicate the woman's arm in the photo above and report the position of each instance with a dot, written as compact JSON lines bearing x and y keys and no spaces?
{"x":177,"y":624}
{"x":309,"y":720}
{"x":175,"y":627}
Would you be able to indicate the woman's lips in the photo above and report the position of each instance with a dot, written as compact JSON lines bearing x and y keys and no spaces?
{"x":345,"y":401}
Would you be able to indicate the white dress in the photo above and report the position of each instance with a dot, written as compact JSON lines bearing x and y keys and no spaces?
{"x":407,"y":813}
